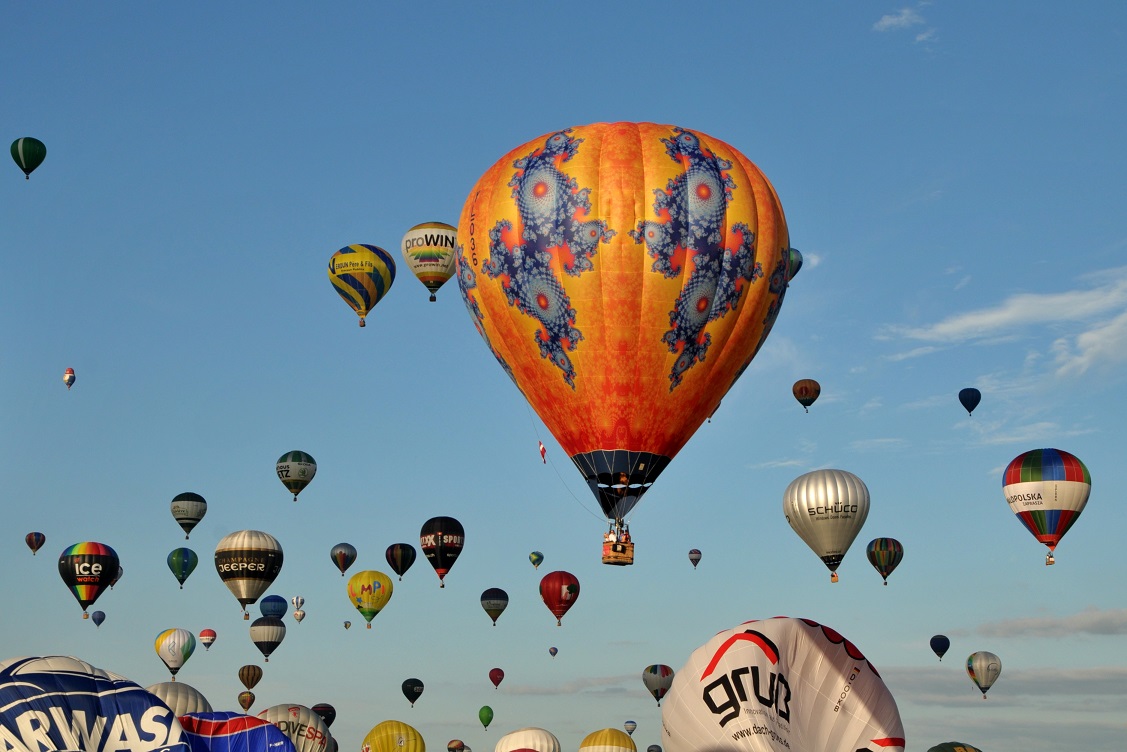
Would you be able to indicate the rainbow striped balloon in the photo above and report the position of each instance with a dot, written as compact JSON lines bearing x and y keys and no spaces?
{"x":362,"y":275}
{"x":88,"y":568}
{"x":1047,"y":489}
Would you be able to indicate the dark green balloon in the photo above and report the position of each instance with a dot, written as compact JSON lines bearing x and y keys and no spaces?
{"x":28,"y":153}
{"x":182,"y":562}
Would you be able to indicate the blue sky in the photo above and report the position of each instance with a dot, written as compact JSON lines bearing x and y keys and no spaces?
{"x":952,"y":174}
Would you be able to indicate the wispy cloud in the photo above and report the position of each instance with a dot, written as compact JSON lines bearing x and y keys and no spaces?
{"x":902,"y":19}
{"x":1103,"y":343}
{"x":1092,"y":621}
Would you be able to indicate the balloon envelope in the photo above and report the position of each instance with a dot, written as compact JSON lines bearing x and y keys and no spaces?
{"x":296,"y":469}
{"x":954,"y":747}
{"x":806,"y":391}
{"x":273,"y":605}
{"x":552,"y":651}
{"x":496,"y":676}
{"x":827,"y":509}
{"x":248,"y":561}
{"x":175,"y":647}
{"x":233,"y":732}
{"x":530,"y":739}
{"x":428,"y":249}
{"x":369,"y":591}
{"x":88,"y":569}
{"x":343,"y":555}
{"x":267,"y":633}
{"x":441,"y":540}
{"x":607,"y":740}
{"x":361,"y":275}
{"x":1047,"y":489}
{"x":188,"y":509}
{"x":940,"y":645}
{"x":694,"y":556}
{"x":400,"y":557}
{"x":246,"y":699}
{"x":658,"y":678}
{"x":412,"y":690}
{"x":98,"y":617}
{"x":536,"y":558}
{"x":494,"y":600}
{"x":35,"y":541}
{"x":303,"y":727}
{"x":559,"y":591}
{"x":250,"y":675}
{"x":207,"y":637}
{"x":969,"y":398}
{"x":619,"y":271}
{"x":984,"y":668}
{"x":779,"y":684}
{"x":182,"y":562}
{"x":884,"y":554}
{"x":181,"y":698}
{"x":630,"y":727}
{"x":327,"y":712}
{"x":68,"y":378}
{"x":28,"y":153}
{"x":393,"y":736}
{"x":485,"y":715}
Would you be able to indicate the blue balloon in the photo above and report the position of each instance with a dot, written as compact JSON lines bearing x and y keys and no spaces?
{"x":98,"y":617}
{"x":273,"y":605}
{"x":940,"y":645}
{"x":233,"y":732}
{"x":970,"y":397}
{"x":69,"y":704}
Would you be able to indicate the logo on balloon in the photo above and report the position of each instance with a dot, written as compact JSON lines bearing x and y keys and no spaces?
{"x":733,"y":686}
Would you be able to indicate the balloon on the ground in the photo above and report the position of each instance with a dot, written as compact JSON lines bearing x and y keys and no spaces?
{"x":296,"y":469}
{"x":806,"y":391}
{"x":175,"y":647}
{"x":779,"y":684}
{"x":327,"y":712}
{"x":182,"y":562}
{"x":428,"y":249}
{"x":441,"y":540}
{"x":28,"y":153}
{"x":969,"y":399}
{"x":35,"y":690}
{"x":343,"y":555}
{"x":621,"y":271}
{"x":494,"y":600}
{"x":98,"y":617}
{"x":224,"y":731}
{"x":393,"y":736}
{"x":827,"y":509}
{"x":485,"y":715}
{"x":400,"y":557}
{"x":250,"y":675}
{"x":188,"y":509}
{"x":87,"y":569}
{"x":412,"y":689}
{"x":181,"y":698}
{"x":884,"y":554}
{"x":35,"y":541}
{"x":607,"y":740}
{"x":984,"y":668}
{"x":694,"y":556}
{"x":273,"y":605}
{"x":1047,"y":489}
{"x":940,"y":645}
{"x":303,"y":727}
{"x":362,"y":274}
{"x":248,"y":561}
{"x":369,"y":591}
{"x":658,"y":678}
{"x":496,"y":676}
{"x":267,"y":633}
{"x":559,"y":591}
{"x":529,"y":739}
{"x":207,"y":637}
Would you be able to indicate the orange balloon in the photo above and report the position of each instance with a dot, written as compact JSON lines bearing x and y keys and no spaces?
{"x":806,"y":391}
{"x":624,"y":275}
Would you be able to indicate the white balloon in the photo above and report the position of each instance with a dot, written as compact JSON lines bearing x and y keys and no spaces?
{"x":827,"y":508}
{"x":304,"y":727}
{"x":182,"y":698}
{"x":530,"y":738}
{"x":984,"y":668}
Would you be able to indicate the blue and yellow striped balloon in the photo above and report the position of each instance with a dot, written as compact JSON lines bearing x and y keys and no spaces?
{"x":362,"y":275}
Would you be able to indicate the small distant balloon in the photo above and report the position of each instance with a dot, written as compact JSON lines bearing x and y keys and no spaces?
{"x":884,"y":554}
{"x":984,"y":668}
{"x":559,"y":591}
{"x":630,"y":726}
{"x":400,"y":557}
{"x":87,"y":569}
{"x":188,"y":509}
{"x":35,"y":541}
{"x":552,"y":651}
{"x":327,"y":712}
{"x":297,"y":601}
{"x":343,"y":555}
{"x":494,"y":601}
{"x":117,"y":576}
{"x":175,"y":647}
{"x":274,"y":606}
{"x":536,"y":558}
{"x":182,"y":562}
{"x":940,"y":645}
{"x":250,"y":675}
{"x":98,"y":617}
{"x":806,"y":391}
{"x":207,"y":637}
{"x":68,"y":378}
{"x":369,"y":591}
{"x":347,"y":624}
{"x":658,"y":678}
{"x":362,"y":275}
{"x":485,"y":715}
{"x":296,"y":469}
{"x":428,"y":249}
{"x":28,"y":154}
{"x":298,"y":615}
{"x":442,"y":539}
{"x":267,"y":633}
{"x":412,"y":690}
{"x":496,"y":676}
{"x":694,"y":556}
{"x":246,"y":699}
{"x":969,"y":398}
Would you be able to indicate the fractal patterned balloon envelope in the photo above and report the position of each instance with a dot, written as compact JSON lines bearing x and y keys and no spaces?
{"x":622,"y":272}
{"x":780,"y":685}
{"x":1047,"y":489}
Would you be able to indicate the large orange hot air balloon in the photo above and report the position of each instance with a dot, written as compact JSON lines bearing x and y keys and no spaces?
{"x":624,"y":275}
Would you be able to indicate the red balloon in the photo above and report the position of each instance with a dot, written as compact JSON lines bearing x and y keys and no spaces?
{"x":559,"y":590}
{"x":495,"y":676}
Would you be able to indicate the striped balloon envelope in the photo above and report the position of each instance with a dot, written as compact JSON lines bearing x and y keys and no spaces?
{"x":884,"y":554}
{"x":1047,"y":489}
{"x":362,"y":275}
{"x":88,"y":568}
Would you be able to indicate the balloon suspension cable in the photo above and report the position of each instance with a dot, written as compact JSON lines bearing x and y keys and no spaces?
{"x":556,"y":470}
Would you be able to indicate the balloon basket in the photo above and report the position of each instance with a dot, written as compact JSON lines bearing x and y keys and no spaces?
{"x":246,"y":616}
{"x":85,"y":615}
{"x":369,"y":626}
{"x":618,"y":554}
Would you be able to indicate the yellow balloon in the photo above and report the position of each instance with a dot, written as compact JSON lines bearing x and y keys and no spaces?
{"x":607,"y":740}
{"x":393,"y":736}
{"x":369,"y":591}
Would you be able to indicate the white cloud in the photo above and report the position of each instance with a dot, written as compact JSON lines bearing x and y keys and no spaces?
{"x":926,"y":36}
{"x":1103,"y":343}
{"x":913,"y":353}
{"x":1091,"y":621}
{"x":902,"y":19}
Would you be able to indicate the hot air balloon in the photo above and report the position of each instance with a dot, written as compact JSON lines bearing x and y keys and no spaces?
{"x":607,"y":740}
{"x":175,"y":647}
{"x":969,"y":399}
{"x":369,"y":591}
{"x":267,"y":633}
{"x":35,"y":541}
{"x":455,"y":745}
{"x":441,"y":540}
{"x":224,"y":731}
{"x":181,"y":698}
{"x":954,"y":747}
{"x":68,"y":378}
{"x":400,"y":557}
{"x":87,"y":569}
{"x":98,"y":617}
{"x":347,"y":624}
{"x":658,"y":678}
{"x":28,"y":154}
{"x":248,"y":561}
{"x":827,"y":509}
{"x":297,"y":601}
{"x":412,"y":689}
{"x":617,"y":272}
{"x":884,"y":554}
{"x":779,"y":684}
{"x":485,"y":715}
{"x":630,"y":726}
{"x":182,"y":562}
{"x":296,"y":469}
{"x":62,"y":703}
{"x":429,"y":252}
{"x":246,"y":699}
{"x":552,"y":651}
{"x":530,"y":739}
{"x":273,"y":605}
{"x":496,"y":676}
{"x":559,"y":590}
{"x":298,"y":615}
{"x":1047,"y":489}
{"x":343,"y":555}
{"x":806,"y":391}
{"x":117,"y":576}
{"x":393,"y":736}
{"x":536,"y":558}
{"x":303,"y":727}
{"x":188,"y":509}
{"x":327,"y":712}
{"x":940,"y":645}
{"x":494,"y":600}
{"x":694,"y":556}
{"x":983,"y":668}
{"x":207,"y":636}
{"x":653,"y":748}
{"x":250,"y":675}
{"x":362,"y":275}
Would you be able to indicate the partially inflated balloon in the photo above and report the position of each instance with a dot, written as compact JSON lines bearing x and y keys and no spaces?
{"x":369,"y":591}
{"x":188,"y":509}
{"x":393,"y":736}
{"x":1047,"y":489}
{"x":441,"y":540}
{"x":88,"y":569}
{"x":343,"y":555}
{"x":182,"y":562}
{"x":175,"y":647}
{"x":607,"y":740}
{"x":827,"y":509}
{"x":884,"y":554}
{"x":494,"y":600}
{"x":559,"y":590}
{"x":984,"y":668}
{"x":400,"y":557}
{"x":35,"y":541}
{"x":267,"y":633}
{"x":248,"y":561}
{"x":412,"y":689}
{"x":429,"y":252}
{"x":181,"y":698}
{"x":619,"y":272}
{"x":28,"y":154}
{"x":303,"y":727}
{"x":530,"y":739}
{"x":658,"y":678}
{"x":296,"y":469}
{"x":969,"y":399}
{"x":362,"y":275}
{"x":806,"y":391}
{"x":940,"y":645}
{"x":780,"y":684}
